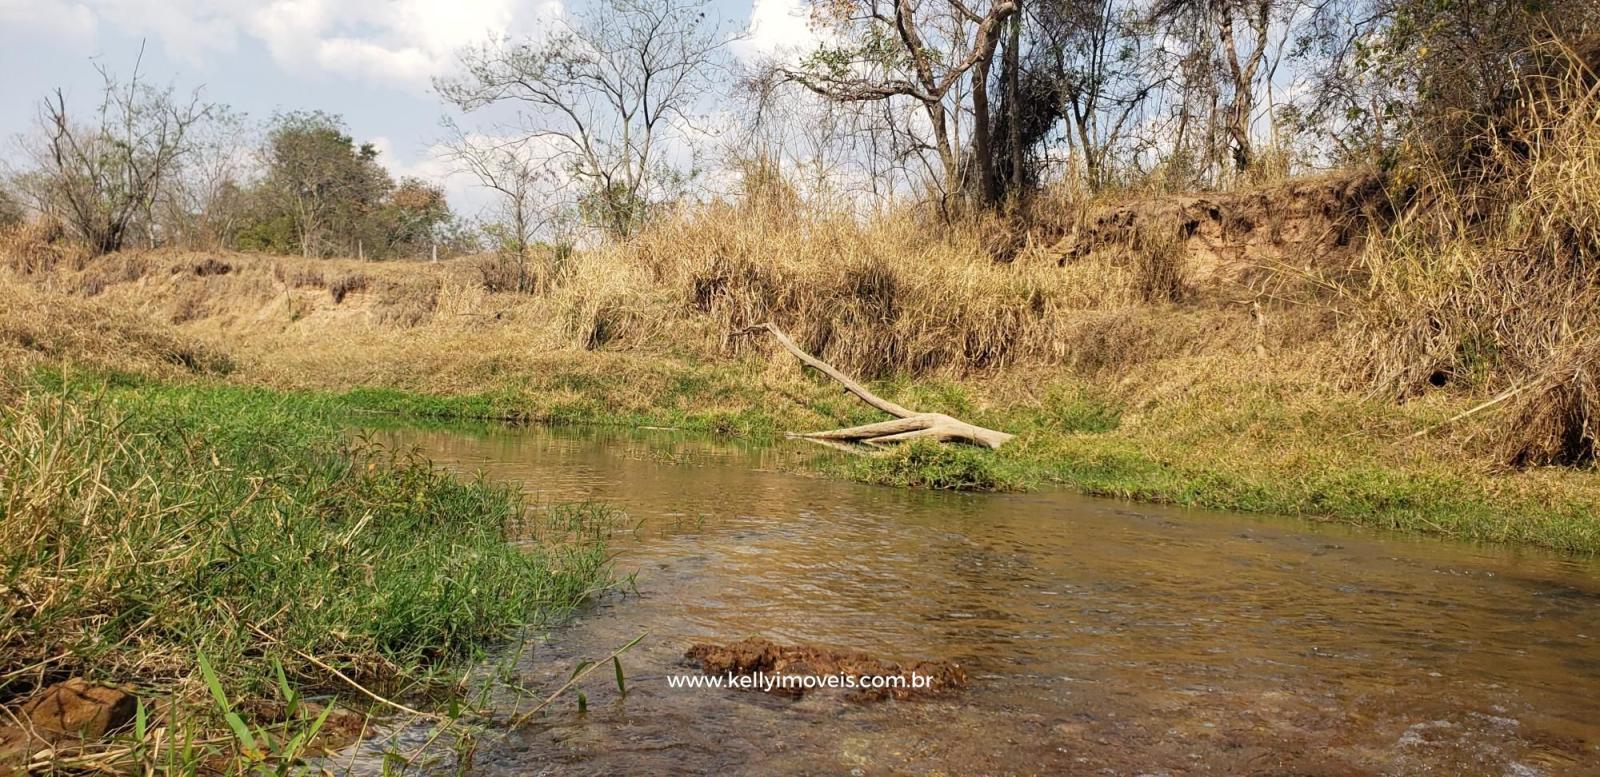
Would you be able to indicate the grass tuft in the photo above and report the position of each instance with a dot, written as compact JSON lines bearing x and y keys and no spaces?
{"x":924,"y":464}
{"x":141,"y":527}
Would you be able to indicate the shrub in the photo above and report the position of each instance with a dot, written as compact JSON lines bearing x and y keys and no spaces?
{"x":345,"y":285}
{"x":926,"y":464}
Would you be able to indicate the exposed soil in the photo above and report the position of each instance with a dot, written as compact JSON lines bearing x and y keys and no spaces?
{"x":1230,"y":240}
{"x":756,"y":655}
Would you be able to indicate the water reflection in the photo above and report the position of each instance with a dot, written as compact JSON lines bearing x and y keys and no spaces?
{"x":1101,"y":637}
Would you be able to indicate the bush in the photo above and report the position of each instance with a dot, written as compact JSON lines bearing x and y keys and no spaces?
{"x":11,"y":212}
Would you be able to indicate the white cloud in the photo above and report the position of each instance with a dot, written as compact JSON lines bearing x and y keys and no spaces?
{"x":778,"y":29}
{"x":401,"y":43}
{"x":59,"y":20}
{"x":188,"y":30}
{"x":466,"y":195}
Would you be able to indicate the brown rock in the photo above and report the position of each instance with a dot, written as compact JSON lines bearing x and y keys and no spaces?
{"x":80,"y":709}
{"x":15,"y":747}
{"x":757,"y":655}
{"x":62,"y":715}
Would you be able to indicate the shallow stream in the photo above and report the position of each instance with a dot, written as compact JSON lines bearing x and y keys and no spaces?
{"x":1100,"y":637}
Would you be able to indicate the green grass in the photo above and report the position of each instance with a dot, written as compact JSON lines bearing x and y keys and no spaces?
{"x":924,"y":464}
{"x":1253,"y":446}
{"x":144,"y":525}
{"x":1263,"y":456}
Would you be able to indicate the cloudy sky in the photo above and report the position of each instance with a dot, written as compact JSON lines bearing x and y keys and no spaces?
{"x":370,"y":61}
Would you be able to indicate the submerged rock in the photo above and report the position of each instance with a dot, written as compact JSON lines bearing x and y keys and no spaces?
{"x":342,"y":727}
{"x":761,"y":664}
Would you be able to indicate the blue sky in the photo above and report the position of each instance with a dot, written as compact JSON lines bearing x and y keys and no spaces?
{"x":368,"y":60}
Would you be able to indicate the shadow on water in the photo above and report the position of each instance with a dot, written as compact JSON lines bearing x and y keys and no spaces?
{"x":1100,"y":637}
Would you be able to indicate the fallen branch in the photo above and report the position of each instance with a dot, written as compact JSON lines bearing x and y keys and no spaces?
{"x":582,"y":672}
{"x":907,"y":424}
{"x":1509,"y":393}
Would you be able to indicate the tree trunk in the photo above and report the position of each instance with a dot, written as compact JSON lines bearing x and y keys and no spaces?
{"x":988,"y":185}
{"x":1014,"y":103}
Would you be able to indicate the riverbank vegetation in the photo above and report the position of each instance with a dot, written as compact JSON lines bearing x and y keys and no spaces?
{"x":225,"y":554}
{"x":1338,"y":261}
{"x":1406,"y":342}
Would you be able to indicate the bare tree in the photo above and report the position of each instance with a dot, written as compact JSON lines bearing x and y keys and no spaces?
{"x":924,"y":50}
{"x":523,"y":208}
{"x":604,"y":91}
{"x":1092,"y":56}
{"x":1242,"y":31}
{"x":202,"y":204}
{"x":102,"y":176}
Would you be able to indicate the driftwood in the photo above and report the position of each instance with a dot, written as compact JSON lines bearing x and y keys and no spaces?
{"x":907,"y":424}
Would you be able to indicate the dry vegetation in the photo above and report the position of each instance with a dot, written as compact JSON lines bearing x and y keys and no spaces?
{"x":1492,"y":283}
{"x":1307,"y":348}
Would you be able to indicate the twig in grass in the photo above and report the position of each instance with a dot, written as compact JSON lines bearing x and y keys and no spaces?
{"x":33,"y":666}
{"x":579,"y":675}
{"x":1509,"y":393}
{"x":342,"y":676}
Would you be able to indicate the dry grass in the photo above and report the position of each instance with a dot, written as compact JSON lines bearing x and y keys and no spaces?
{"x":890,"y":297}
{"x":345,"y":285}
{"x":878,"y":299}
{"x":39,"y":247}
{"x":1491,"y":281}
{"x":41,"y":327}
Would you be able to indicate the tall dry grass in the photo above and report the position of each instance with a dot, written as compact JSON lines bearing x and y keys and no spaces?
{"x":41,"y":327}
{"x":1490,"y":282}
{"x":39,"y":247}
{"x":891,"y":296}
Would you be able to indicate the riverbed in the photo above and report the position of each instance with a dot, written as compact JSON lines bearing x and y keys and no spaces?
{"x":1099,"y":637}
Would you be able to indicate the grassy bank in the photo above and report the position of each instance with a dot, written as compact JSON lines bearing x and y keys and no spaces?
{"x":1266,"y":444}
{"x":147,"y":526}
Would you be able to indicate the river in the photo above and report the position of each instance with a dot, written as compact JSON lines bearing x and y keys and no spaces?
{"x":1099,"y":637}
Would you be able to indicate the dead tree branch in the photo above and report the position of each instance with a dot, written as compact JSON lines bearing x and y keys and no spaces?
{"x":907,"y":424}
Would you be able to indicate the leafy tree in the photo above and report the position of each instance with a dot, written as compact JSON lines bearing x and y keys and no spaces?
{"x":1433,"y":69}
{"x":318,"y":179}
{"x":409,"y":220}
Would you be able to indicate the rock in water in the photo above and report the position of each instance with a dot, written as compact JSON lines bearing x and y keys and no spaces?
{"x":875,"y":679}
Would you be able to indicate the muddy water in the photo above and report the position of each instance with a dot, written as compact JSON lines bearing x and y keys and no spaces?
{"x":1100,"y":637}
